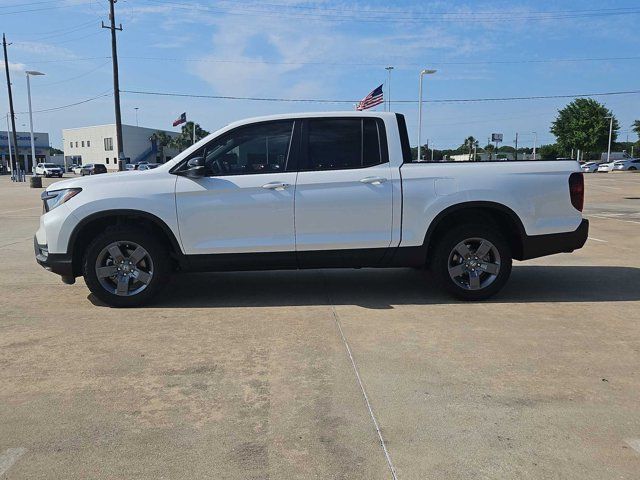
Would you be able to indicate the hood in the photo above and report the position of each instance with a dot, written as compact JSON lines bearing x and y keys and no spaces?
{"x":102,"y":179}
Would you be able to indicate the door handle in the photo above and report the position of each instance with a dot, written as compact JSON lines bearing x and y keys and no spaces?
{"x":275,"y":186}
{"x":373,"y":180}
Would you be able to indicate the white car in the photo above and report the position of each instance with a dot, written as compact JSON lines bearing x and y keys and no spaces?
{"x":605,"y":167}
{"x":590,"y":167}
{"x":628,"y":164}
{"x":309,"y":190}
{"x":49,"y":170}
{"x":77,"y":169}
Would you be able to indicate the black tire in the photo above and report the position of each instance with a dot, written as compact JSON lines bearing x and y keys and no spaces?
{"x":632,"y":168}
{"x":443,"y":256}
{"x":160,"y":266}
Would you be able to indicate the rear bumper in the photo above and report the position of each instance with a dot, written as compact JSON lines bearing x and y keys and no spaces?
{"x":542,"y":245}
{"x":59,"y":263}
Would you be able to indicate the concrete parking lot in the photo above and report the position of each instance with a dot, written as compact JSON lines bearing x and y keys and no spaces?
{"x":263,"y":375}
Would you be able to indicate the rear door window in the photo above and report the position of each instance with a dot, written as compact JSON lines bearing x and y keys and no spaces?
{"x":343,"y":143}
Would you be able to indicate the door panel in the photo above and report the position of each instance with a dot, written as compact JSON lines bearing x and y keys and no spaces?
{"x":343,"y":194}
{"x":236,"y":214}
{"x":336,"y":210}
{"x":245,"y":204}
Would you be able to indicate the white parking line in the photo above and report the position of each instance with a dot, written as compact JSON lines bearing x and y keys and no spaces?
{"x":633,"y":443}
{"x":9,"y":457}
{"x":613,"y":218}
{"x":383,"y":444}
{"x":597,"y":240}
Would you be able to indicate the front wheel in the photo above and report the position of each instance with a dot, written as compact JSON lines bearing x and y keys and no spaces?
{"x":125,"y":267}
{"x":471,"y":262}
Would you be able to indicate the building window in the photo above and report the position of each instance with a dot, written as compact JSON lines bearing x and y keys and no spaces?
{"x":108,"y":143}
{"x":107,"y":160}
{"x":70,"y":144}
{"x":82,"y":143}
{"x":76,"y":144}
{"x":88,"y":143}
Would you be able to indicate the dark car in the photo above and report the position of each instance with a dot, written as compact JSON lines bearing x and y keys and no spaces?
{"x":93,"y":169}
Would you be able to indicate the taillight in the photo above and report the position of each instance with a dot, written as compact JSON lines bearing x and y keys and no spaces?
{"x":576,"y":190}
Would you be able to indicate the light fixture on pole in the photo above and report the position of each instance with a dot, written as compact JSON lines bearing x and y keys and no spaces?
{"x":535,"y":145}
{"x":33,"y":147}
{"x":610,"y":135}
{"x":388,"y":69}
{"x":136,"y":109}
{"x":422,"y":74}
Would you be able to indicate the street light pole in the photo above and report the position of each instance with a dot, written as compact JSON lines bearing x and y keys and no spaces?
{"x":33,"y":145}
{"x":422,"y":74}
{"x":136,"y":109}
{"x":610,"y":134}
{"x":535,"y":145}
{"x":388,"y":69}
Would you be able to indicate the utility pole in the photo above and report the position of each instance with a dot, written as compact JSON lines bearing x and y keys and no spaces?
{"x":516,"y":157}
{"x":116,"y":82}
{"x":11,"y":112}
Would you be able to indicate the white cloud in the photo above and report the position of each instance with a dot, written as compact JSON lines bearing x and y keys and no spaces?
{"x":14,"y":67}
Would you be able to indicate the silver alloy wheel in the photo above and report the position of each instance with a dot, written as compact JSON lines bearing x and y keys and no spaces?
{"x":124,"y":268}
{"x":474,"y":263}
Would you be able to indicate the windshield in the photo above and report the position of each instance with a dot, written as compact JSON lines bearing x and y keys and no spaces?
{"x":50,"y":165}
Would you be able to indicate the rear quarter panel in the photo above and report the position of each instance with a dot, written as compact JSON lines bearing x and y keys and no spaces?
{"x":537,"y":191}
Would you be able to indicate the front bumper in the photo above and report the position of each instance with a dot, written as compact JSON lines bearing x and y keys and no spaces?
{"x":542,"y":245}
{"x":60,"y":263}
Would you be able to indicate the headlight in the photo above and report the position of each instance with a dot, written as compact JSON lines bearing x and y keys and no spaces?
{"x":56,"y":198}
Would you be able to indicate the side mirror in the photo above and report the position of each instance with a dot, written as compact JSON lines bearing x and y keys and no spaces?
{"x":195,"y":168}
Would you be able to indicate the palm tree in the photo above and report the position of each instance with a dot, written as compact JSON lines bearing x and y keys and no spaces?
{"x":469,"y":143}
{"x":162,"y":140}
{"x":636,"y":128}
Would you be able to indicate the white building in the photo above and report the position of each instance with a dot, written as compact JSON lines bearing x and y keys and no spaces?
{"x":97,"y":144}
{"x":40,"y":140}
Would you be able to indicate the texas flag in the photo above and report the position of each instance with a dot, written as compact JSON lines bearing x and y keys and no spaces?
{"x":181,"y":119}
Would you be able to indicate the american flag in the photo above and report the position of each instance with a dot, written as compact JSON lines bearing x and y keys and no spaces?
{"x":371,"y":100}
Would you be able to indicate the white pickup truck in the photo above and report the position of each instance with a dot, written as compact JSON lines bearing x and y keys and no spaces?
{"x":310,"y":190}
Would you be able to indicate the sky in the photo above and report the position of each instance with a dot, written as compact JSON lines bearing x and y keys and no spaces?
{"x":324,"y":50}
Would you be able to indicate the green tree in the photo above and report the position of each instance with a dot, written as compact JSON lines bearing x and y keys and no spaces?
{"x":490,"y":149}
{"x":636,"y":128}
{"x":468,"y":145}
{"x":549,"y":152}
{"x":163,"y":140}
{"x":185,"y":139}
{"x":55,"y":151}
{"x":583,"y":125}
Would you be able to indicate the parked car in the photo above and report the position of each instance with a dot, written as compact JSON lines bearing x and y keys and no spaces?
{"x":77,"y":169}
{"x":93,"y":169}
{"x":590,"y":167}
{"x":148,"y":166}
{"x":49,"y":170}
{"x":605,"y":167}
{"x":71,"y":167}
{"x":316,"y":190}
{"x":130,"y":166}
{"x":629,"y":164}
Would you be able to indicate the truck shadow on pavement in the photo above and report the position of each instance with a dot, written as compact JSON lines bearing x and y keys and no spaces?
{"x":383,"y":288}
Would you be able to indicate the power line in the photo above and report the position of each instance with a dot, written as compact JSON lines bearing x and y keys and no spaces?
{"x":318,"y":100}
{"x":379,"y":64}
{"x":40,"y":9}
{"x":84,"y":74}
{"x":69,"y":105}
{"x":442,"y":17}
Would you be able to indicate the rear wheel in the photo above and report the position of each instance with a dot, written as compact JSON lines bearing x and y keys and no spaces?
{"x":472,"y":262}
{"x":632,"y":168}
{"x":125,"y":267}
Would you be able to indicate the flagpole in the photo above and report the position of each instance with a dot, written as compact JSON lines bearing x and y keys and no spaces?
{"x":194,"y":132}
{"x":388,"y":69}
